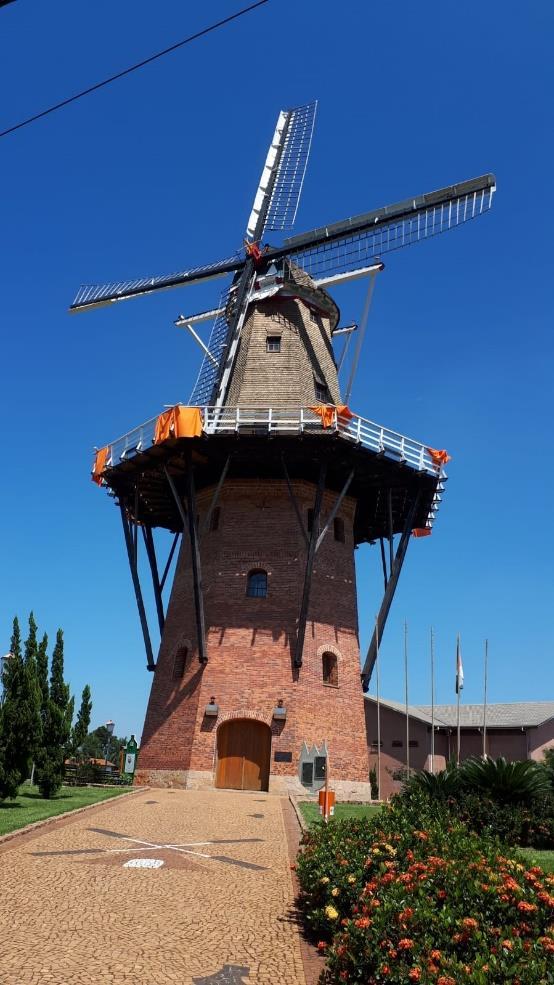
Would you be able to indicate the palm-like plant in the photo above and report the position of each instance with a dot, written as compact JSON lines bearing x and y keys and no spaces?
{"x":436,"y":786}
{"x":506,"y":782}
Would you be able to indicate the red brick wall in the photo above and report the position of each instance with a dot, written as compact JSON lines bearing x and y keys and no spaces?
{"x":250,"y":641}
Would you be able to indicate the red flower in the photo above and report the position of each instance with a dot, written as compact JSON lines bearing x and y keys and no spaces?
{"x":321,"y":945}
{"x":470,"y":923}
{"x":445,"y":980}
{"x":363,"y":922}
{"x":524,"y":907}
{"x":415,"y":974}
{"x":385,"y":970}
{"x":435,"y":955}
{"x":405,"y":944}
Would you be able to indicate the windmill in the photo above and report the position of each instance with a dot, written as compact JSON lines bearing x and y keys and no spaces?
{"x":269,"y":372}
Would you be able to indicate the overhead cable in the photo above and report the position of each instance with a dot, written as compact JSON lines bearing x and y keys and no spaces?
{"x":133,"y":68}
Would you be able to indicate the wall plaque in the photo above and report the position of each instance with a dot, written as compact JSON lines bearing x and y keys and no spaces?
{"x":282,"y":757}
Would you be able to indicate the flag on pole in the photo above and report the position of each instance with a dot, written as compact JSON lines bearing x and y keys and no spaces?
{"x":459,"y":668}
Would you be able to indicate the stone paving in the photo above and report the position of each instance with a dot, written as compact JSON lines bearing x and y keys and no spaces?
{"x":219,"y":907}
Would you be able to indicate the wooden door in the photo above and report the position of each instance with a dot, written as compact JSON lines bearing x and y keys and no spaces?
{"x":243,"y":755}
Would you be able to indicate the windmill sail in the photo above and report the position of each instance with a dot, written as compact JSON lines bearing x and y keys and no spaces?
{"x":354,"y":243}
{"x":276,"y":202}
{"x":209,"y":373}
{"x":97,"y":295}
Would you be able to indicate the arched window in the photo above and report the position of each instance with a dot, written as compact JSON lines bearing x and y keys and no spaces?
{"x":180,"y":662}
{"x":256,"y":585}
{"x":338,"y":529}
{"x":330,"y":666}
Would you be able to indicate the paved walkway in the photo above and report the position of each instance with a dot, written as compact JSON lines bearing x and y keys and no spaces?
{"x":164,"y":886}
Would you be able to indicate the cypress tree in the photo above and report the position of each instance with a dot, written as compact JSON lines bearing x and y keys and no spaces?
{"x":57,"y":727}
{"x":42,"y":676}
{"x":82,"y":725}
{"x":20,"y":725}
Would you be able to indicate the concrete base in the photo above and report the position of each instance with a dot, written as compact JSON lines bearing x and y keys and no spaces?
{"x":345,"y":790}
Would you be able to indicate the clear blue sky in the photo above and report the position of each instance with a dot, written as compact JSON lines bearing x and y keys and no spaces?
{"x":157,"y":172}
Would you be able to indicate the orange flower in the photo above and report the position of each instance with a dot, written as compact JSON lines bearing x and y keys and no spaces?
{"x":405,"y":944}
{"x":405,"y":914}
{"x":470,"y":923}
{"x":363,"y":922}
{"x":415,"y":974}
{"x":445,"y":980}
{"x":321,"y":945}
{"x":547,"y":943}
{"x":432,"y":968}
{"x":524,"y":907}
{"x":435,"y":955}
{"x":508,"y":945}
{"x":385,"y":970}
{"x":441,"y":894}
{"x":422,"y":835}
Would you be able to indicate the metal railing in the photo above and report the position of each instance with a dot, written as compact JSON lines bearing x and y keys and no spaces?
{"x":291,"y":421}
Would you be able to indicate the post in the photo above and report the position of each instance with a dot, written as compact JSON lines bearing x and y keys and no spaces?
{"x":150,"y":665}
{"x":378,"y":708}
{"x":309,"y":567}
{"x":458,"y":690}
{"x":432,"y":763}
{"x":485,"y":701}
{"x":196,"y":566}
{"x":407,"y":706}
{"x":151,"y":554}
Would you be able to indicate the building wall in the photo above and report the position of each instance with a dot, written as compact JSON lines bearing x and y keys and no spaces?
{"x":250,"y":642}
{"x":285,"y":378}
{"x":541,"y":739}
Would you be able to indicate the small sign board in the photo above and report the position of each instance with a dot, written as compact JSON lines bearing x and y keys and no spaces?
{"x":130,"y":761}
{"x":282,"y":757}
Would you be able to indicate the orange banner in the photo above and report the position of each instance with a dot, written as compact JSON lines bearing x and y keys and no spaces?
{"x":327,"y":413}
{"x":421,"y":532}
{"x":178,"y":422}
{"x":99,"y":466}
{"x":439,"y":457}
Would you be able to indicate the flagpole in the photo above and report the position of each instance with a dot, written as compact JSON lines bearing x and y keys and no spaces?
{"x":378,"y":710}
{"x":407,"y":706}
{"x":485,"y":701}
{"x":458,"y":689}
{"x":432,"y":701}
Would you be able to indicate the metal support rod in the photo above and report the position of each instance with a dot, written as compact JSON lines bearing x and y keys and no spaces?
{"x":361,"y":333}
{"x":485,"y":699}
{"x":196,"y":566}
{"x":215,"y":497}
{"x":344,"y":352}
{"x":182,"y":323}
{"x":383,"y":561}
{"x":334,"y":511}
{"x":169,"y":560}
{"x":406,"y":697}
{"x":151,"y":555}
{"x":378,"y":682}
{"x":150,"y":665}
{"x":390,"y":590}
{"x":295,"y":503}
{"x":391,"y":530}
{"x":177,"y":498}
{"x":432,"y":764}
{"x":309,"y":566}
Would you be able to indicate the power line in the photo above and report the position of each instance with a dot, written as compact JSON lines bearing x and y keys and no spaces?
{"x":132,"y":68}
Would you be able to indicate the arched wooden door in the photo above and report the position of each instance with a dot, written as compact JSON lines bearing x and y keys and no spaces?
{"x":243,"y":755}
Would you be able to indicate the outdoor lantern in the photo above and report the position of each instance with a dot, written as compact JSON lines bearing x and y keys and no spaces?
{"x":280,"y":712}
{"x":109,"y":726}
{"x":211,"y":710}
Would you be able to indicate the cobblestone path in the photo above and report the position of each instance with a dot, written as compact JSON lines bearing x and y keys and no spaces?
{"x":161,"y":887}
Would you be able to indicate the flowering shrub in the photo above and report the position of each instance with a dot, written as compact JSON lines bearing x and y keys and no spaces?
{"x":397,"y":903}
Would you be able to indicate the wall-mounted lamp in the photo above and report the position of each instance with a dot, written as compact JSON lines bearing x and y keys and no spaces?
{"x":211,"y":710}
{"x":280,"y":712}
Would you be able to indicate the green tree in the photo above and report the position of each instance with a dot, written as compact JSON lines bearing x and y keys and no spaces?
{"x":57,"y":727}
{"x":42,"y":676}
{"x":82,"y":725}
{"x":20,"y":725}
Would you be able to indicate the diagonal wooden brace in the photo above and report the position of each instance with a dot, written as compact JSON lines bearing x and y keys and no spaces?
{"x":301,"y":633}
{"x":130,"y":545}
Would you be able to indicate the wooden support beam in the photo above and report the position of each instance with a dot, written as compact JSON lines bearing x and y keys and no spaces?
{"x":389,"y":592}
{"x":294,"y":502}
{"x":334,"y":511}
{"x":177,"y":498}
{"x":151,"y":554}
{"x":195,"y":557}
{"x":391,"y":530}
{"x":150,"y":665}
{"x":215,"y":497}
{"x":169,"y":560}
{"x":383,"y":561}
{"x":301,"y":633}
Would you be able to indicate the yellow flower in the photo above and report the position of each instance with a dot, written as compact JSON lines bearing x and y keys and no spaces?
{"x":335,"y":891}
{"x":325,"y":880}
{"x":351,"y":879}
{"x":331,"y":913}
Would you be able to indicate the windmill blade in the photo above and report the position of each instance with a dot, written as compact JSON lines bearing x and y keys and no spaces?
{"x":97,"y":295}
{"x":276,"y":202}
{"x":354,"y":243}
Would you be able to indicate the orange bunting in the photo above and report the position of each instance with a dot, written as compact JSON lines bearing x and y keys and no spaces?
{"x":99,"y":466}
{"x":439,"y":457}
{"x":178,"y":422}
{"x":421,"y":532}
{"x":327,"y":413}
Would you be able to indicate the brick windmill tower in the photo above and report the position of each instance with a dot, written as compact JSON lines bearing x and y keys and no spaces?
{"x":268,"y":482}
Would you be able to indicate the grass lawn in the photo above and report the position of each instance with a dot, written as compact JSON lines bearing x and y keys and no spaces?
{"x":536,"y":856}
{"x":310,"y":811}
{"x":30,"y":806}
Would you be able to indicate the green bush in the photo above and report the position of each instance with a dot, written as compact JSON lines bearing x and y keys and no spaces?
{"x":431,"y":904}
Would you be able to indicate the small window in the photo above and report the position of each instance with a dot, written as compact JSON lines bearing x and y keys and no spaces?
{"x":273,"y":343}
{"x":180,"y":663}
{"x":414,"y":743}
{"x":397,"y":743}
{"x":307,"y":774}
{"x":320,"y":766}
{"x":321,"y":392}
{"x":256,"y":587}
{"x":214,"y":519}
{"x":313,"y":316}
{"x":338,"y":528}
{"x":330,"y":669}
